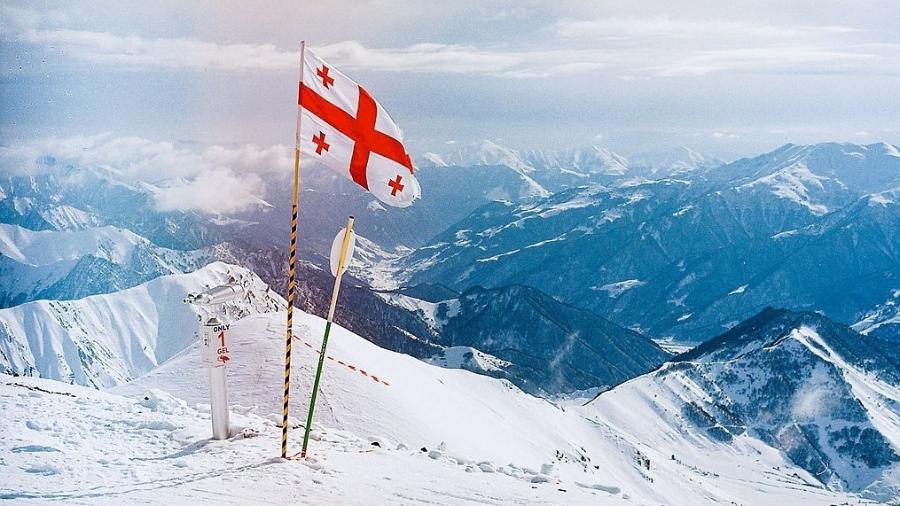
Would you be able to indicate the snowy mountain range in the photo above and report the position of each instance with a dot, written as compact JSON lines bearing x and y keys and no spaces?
{"x":689,"y":258}
{"x":554,"y":170}
{"x":88,"y":342}
{"x":71,"y":264}
{"x":74,"y":198}
{"x":72,"y":261}
{"x":547,"y":273}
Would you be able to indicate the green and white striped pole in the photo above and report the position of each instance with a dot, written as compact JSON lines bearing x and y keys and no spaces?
{"x":338,"y":265}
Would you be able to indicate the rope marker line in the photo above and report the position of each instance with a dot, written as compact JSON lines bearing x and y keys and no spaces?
{"x":352,"y":367}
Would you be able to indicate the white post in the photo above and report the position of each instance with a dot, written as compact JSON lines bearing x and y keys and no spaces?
{"x":216,"y":356}
{"x":218,"y":397}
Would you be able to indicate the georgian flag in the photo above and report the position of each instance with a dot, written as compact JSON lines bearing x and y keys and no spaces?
{"x":345,"y":129}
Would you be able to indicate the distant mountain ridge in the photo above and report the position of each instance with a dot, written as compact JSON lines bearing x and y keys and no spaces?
{"x":690,"y":257}
{"x":556,"y":170}
{"x":72,"y":264}
{"x":524,"y":335}
{"x":821,"y":177}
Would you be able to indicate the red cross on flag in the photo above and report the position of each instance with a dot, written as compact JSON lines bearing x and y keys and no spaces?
{"x":345,"y":129}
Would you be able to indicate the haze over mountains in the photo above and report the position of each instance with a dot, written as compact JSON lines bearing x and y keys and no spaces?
{"x":546,"y":171}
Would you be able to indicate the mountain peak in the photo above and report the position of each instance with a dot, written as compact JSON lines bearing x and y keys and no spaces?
{"x":771,"y":328}
{"x":760,"y":327}
{"x":677,"y":160}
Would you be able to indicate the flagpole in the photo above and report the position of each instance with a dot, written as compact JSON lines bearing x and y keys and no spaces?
{"x":292,"y":269}
{"x":342,"y":260}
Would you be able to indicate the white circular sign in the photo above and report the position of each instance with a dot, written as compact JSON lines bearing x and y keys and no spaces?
{"x":336,"y":250}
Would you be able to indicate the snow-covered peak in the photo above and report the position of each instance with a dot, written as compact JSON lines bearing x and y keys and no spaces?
{"x":820,"y":393}
{"x":819,"y":177}
{"x":593,"y":160}
{"x":491,"y":153}
{"x":679,"y":160}
{"x":768,"y":329}
{"x":433,"y":160}
{"x":38,"y":248}
{"x":859,"y":167}
{"x":104,"y":340}
{"x":552,"y":169}
{"x":486,"y":152}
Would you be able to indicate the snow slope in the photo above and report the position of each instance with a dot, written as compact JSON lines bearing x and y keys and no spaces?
{"x":76,"y":445}
{"x":109,"y":339}
{"x":484,"y":439}
{"x":482,"y":424}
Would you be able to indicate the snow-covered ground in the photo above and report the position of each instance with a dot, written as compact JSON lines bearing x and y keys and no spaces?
{"x":485,"y":441}
{"x":80,"y":446}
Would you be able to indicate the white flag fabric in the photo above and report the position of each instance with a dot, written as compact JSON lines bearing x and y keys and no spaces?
{"x":345,"y":129}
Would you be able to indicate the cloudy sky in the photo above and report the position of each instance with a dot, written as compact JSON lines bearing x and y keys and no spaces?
{"x":729,"y":78}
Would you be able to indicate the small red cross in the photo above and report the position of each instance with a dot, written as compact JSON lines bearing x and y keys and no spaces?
{"x":395,"y":185}
{"x":326,"y":79}
{"x":320,"y":143}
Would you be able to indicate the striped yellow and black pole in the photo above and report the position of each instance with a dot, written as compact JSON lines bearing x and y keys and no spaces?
{"x":292,"y":275}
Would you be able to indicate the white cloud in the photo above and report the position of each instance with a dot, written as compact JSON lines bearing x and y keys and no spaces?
{"x":628,"y":47}
{"x":673,"y":47}
{"x":769,"y":60}
{"x":137,"y":52}
{"x":214,"y":179}
{"x":217,"y":191}
{"x":133,"y":52}
{"x":422,"y":58}
{"x":612,"y":28}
